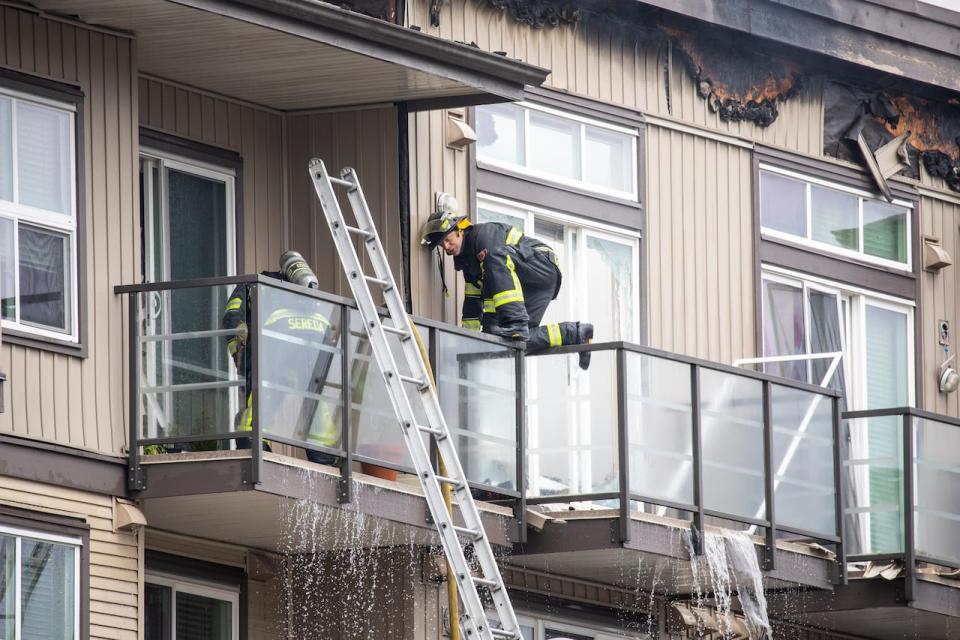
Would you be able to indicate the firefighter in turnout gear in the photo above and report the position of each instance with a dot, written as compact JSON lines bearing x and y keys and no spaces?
{"x":291,"y":333}
{"x":510,"y":278}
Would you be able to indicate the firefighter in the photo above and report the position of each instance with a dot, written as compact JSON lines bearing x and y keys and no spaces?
{"x":300,"y":321}
{"x":510,"y":278}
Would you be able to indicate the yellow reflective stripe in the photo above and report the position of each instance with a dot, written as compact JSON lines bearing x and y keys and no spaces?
{"x":232,"y":345}
{"x":471,"y":289}
{"x":511,"y":295}
{"x":553,"y":333}
{"x":246,"y":420}
{"x":488,"y":306}
{"x":513,"y":237}
{"x":328,"y":428}
{"x":233,"y":304}
{"x":283,"y":314}
{"x":472,"y":324}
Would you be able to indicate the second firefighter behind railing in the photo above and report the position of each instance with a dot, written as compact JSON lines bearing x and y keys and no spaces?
{"x":298,"y":322}
{"x":509,"y":279}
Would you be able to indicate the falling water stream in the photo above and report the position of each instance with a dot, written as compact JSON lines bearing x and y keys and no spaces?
{"x":727,"y":569}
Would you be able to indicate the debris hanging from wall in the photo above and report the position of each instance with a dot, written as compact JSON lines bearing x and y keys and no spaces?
{"x":740,"y":83}
{"x":932,"y":128}
{"x":540,"y":13}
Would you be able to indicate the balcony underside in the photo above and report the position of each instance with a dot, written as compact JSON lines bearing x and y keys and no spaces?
{"x":655,"y":558}
{"x":286,"y":57}
{"x":876,"y":608}
{"x":293,"y":509}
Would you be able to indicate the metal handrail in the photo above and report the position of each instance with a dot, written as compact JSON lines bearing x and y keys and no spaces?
{"x":136,"y":479}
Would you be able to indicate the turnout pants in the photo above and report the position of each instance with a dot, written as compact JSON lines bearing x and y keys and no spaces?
{"x":540,"y":286}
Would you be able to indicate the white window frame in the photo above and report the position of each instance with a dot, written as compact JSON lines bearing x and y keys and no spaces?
{"x":632,"y":194}
{"x":65,"y":223}
{"x":178,"y":584}
{"x":70,"y":541}
{"x":822,"y":247}
{"x":605,"y":231}
{"x":540,"y":624}
{"x":854,"y":329}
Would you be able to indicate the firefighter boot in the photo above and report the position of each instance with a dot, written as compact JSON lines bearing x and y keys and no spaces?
{"x":584,"y":336}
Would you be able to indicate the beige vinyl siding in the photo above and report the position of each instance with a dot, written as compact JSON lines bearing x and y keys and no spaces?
{"x":254,"y":133}
{"x":433,"y":167}
{"x":618,"y":65}
{"x":115,"y":572}
{"x":939,"y":218}
{"x":700,"y":280}
{"x":365,"y":139}
{"x":60,"y":398}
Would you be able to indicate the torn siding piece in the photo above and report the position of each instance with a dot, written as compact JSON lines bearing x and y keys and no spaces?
{"x":931,"y":128}
{"x":539,"y":13}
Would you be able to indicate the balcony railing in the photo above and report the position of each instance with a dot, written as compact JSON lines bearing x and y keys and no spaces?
{"x":288,"y":386}
{"x":902,"y":481}
{"x":641,"y":427}
{"x":647,"y":428}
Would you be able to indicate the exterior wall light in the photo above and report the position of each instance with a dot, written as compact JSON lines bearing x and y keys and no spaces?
{"x":446,"y":202}
{"x":949,"y":378}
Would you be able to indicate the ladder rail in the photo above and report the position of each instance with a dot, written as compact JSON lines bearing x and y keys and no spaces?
{"x":474,"y":618}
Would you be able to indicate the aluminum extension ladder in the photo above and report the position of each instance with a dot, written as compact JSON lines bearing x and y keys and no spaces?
{"x":473,"y":620}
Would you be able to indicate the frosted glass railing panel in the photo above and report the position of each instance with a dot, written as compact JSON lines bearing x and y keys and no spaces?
{"x":937,"y":490}
{"x":476,"y":381}
{"x":803,"y":443}
{"x":660,"y":423}
{"x":571,"y":425}
{"x":873,"y":485}
{"x":731,"y":426}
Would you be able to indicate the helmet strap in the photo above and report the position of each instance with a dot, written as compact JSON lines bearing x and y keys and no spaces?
{"x":443,"y":275}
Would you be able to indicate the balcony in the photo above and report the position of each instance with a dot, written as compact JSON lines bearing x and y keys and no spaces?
{"x":902,"y":525}
{"x":647,"y":450}
{"x":301,"y":386}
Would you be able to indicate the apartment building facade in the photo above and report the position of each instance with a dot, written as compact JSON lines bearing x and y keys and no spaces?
{"x":704,"y":178}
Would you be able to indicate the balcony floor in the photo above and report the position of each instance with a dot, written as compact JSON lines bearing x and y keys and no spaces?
{"x":655,"y":558}
{"x":293,"y":509}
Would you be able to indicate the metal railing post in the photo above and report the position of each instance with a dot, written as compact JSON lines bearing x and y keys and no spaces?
{"x":520,"y":507}
{"x":769,"y":471}
{"x":346,"y":397}
{"x":623,"y":447}
{"x":698,"y":514}
{"x":839,"y":455}
{"x":256,"y":377}
{"x":909,"y":548}
{"x":135,"y":480}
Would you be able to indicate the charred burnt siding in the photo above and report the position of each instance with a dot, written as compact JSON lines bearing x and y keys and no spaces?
{"x":883,"y":35}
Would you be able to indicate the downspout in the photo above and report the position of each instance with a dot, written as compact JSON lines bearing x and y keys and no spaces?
{"x":403,"y":177}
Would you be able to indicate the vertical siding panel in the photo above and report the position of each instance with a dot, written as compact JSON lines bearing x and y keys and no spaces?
{"x":194,"y":116}
{"x":652,"y":204}
{"x":55,"y":54}
{"x":27,"y":62}
{"x":6,"y":362}
{"x":70,"y":57}
{"x":248,"y":150}
{"x":33,"y":404}
{"x":47,"y":388}
{"x":711,"y":265}
{"x":41,"y":55}
{"x":207,"y":124}
{"x":12,"y":37}
{"x":60,"y":406}
{"x":112,"y":240}
{"x":182,"y":111}
{"x":18,"y":392}
{"x":168,"y":110}
{"x":221,"y":123}
{"x":725,"y":258}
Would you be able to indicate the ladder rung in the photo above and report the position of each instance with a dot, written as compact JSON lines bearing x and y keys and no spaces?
{"x":379,"y":281}
{"x":360,"y":232}
{"x":451,"y":481}
{"x":501,"y":633}
{"x":345,"y":183}
{"x":397,"y":330}
{"x":417,"y":381}
{"x":473,"y":533}
{"x":485,"y":582}
{"x":433,"y":430}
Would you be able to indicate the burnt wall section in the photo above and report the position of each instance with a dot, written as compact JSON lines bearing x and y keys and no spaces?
{"x":740,"y":82}
{"x":539,"y":13}
{"x":932,"y":127}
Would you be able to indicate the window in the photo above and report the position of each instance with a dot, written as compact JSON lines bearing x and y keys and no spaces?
{"x":599,"y":265}
{"x":39,"y":585}
{"x":560,"y":147}
{"x":804,"y":315}
{"x":38,"y":216}
{"x":177,"y":609}
{"x":540,"y":628}
{"x":834,"y":218}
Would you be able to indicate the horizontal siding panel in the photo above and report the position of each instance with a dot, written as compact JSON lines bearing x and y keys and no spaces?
{"x":110,"y":633}
{"x":112,"y":573}
{"x":113,"y":597}
{"x":116,"y":622}
{"x":112,"y":609}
